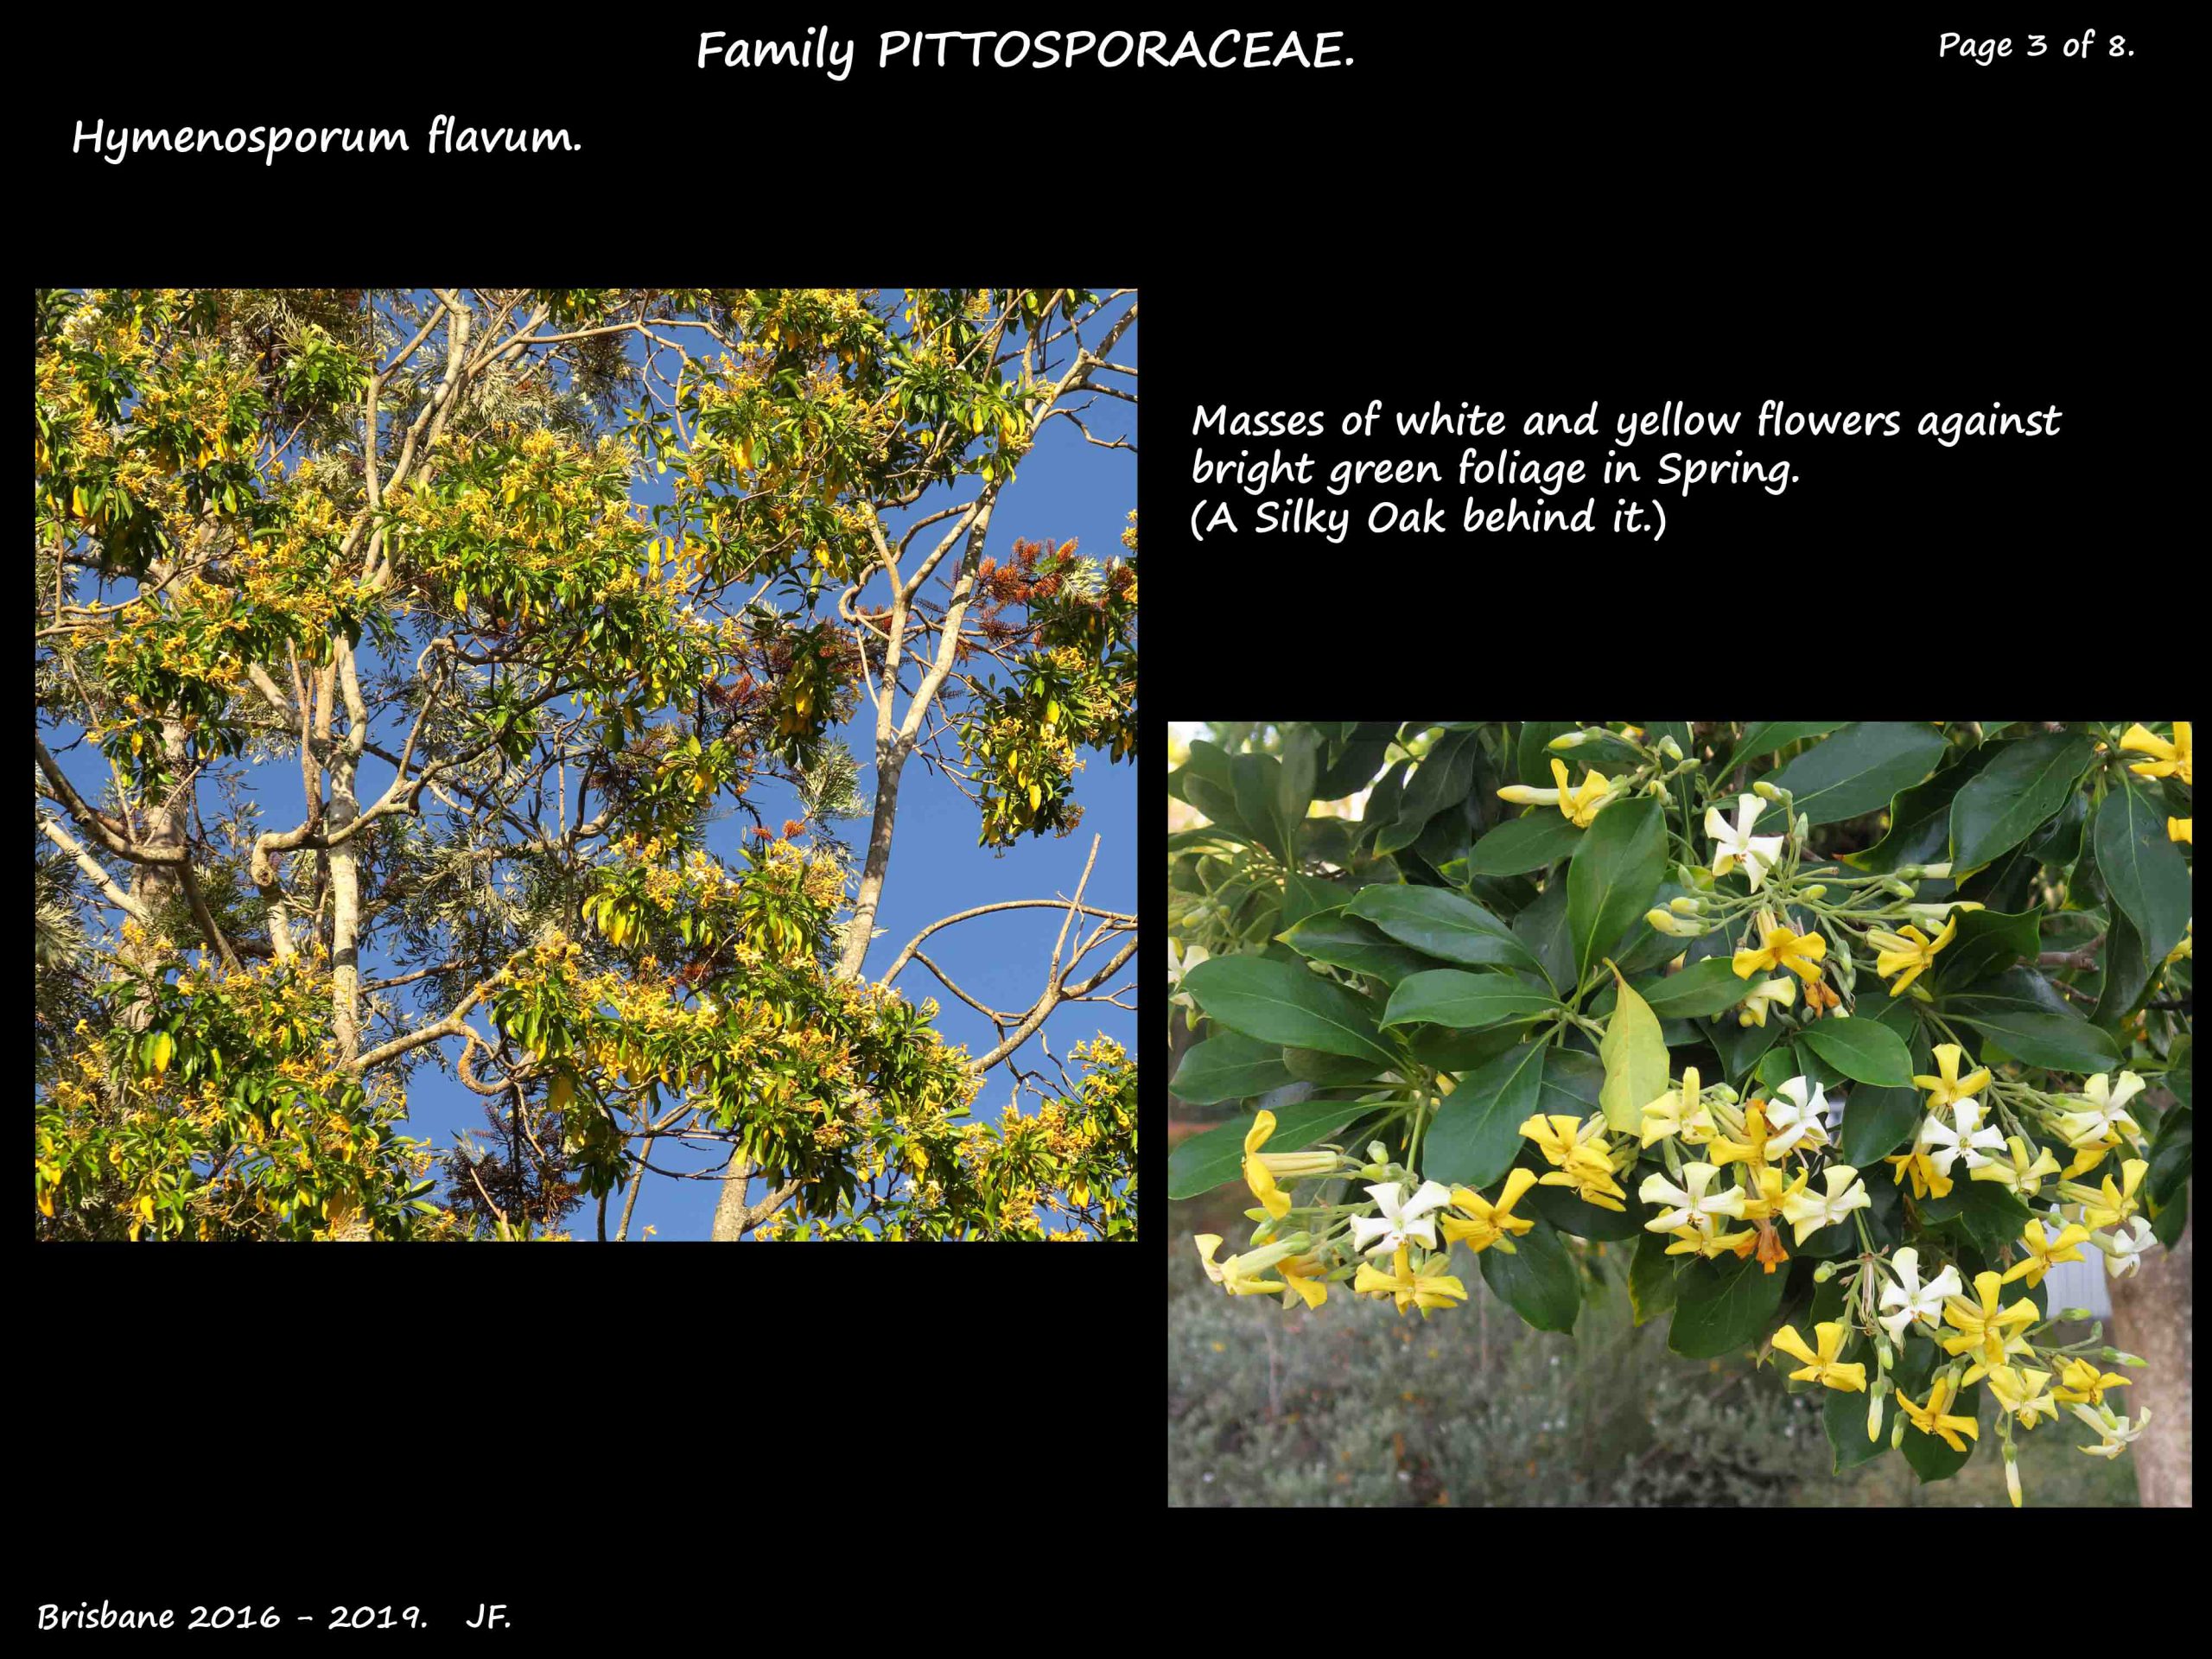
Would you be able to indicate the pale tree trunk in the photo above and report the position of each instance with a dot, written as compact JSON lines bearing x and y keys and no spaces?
{"x":2152,"y":1317}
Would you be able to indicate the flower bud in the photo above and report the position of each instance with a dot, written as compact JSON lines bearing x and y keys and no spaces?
{"x":1685,"y":906}
{"x":2073,"y":1314}
{"x":2011,"y":1477}
{"x":1888,"y":1355}
{"x":1574,"y":739}
{"x":1804,"y":829}
{"x":1890,"y":884}
{"x":1765,"y":791}
{"x":1825,"y":1272}
{"x":1816,"y":891}
{"x":1874,"y":1413}
{"x":1671,"y":749}
{"x":1527,"y":795}
{"x":1919,"y":872}
{"x":2119,"y":1358}
{"x":1897,"y":1434}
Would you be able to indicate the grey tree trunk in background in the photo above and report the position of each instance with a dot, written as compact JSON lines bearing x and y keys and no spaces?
{"x":2152,"y":1316}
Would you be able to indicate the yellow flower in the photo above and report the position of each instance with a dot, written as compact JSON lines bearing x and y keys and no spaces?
{"x":1261,"y":1169}
{"x":1821,"y":1367}
{"x":1931,"y":1419}
{"x":1492,"y":1222}
{"x":1751,"y":1149}
{"x":1782,"y":947}
{"x":1948,"y":1085}
{"x":2172,"y":757}
{"x":1986,"y":1330}
{"x":2081,"y":1383}
{"x":2044,"y":1251}
{"x":1581,"y":802}
{"x":2020,"y":1392}
{"x":2178,"y":829}
{"x":1302,"y":1274}
{"x":1907,"y":952}
{"x":2112,"y":1204}
{"x":1680,"y":1112}
{"x":1239,"y":1275}
{"x":1409,"y":1287}
{"x":1783,"y":991}
{"x":2017,"y":1172}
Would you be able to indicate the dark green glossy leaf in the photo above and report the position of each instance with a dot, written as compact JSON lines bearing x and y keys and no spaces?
{"x":1613,"y":875}
{"x":1304,"y":896}
{"x":1987,"y":942}
{"x":2010,"y":796}
{"x":1651,"y":1278}
{"x":1858,"y":770}
{"x":1328,"y":1070}
{"x":1445,"y":926}
{"x":1843,"y":1414}
{"x":1343,"y":941}
{"x":2143,"y":871}
{"x":1920,"y":817}
{"x":1477,"y":1132}
{"x":1723,"y":1306}
{"x":1447,"y":997}
{"x":1520,"y":845}
{"x":1876,"y":1122}
{"x":1534,"y":758}
{"x":1542,"y":928}
{"x":1538,"y":1281}
{"x":1278,"y":1002}
{"x":1702,"y":989}
{"x":1864,"y":1049}
{"x":1765,"y":736}
{"x":2019,"y":1008}
{"x":1228,"y":1066}
{"x":1208,"y":1160}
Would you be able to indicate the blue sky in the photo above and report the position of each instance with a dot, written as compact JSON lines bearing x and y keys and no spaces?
{"x":1064,"y":488}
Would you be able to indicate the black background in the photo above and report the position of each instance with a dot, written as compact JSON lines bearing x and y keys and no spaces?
{"x":1710,"y":205}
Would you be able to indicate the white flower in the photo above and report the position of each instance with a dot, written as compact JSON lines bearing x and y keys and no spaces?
{"x":1846,"y":1193}
{"x":1791,"y":1116}
{"x":1691,"y":1208}
{"x":1911,"y":1299}
{"x":2107,"y":1114}
{"x":2114,"y":1429}
{"x":1179,"y":963}
{"x":1946,"y":1144}
{"x":2124,"y":1246}
{"x":1735,"y":843}
{"x":1402,"y":1218}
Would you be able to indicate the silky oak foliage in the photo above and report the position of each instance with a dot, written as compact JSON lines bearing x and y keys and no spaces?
{"x":334,"y":534}
{"x":1842,"y":1034}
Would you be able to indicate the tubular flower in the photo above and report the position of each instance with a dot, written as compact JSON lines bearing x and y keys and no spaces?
{"x":1931,"y":1418}
{"x":1691,"y":1206}
{"x":2101,"y":1127}
{"x":1795,"y":1115}
{"x":1821,"y":1367}
{"x":1581,"y":1156}
{"x":1947,"y":1086}
{"x":1261,"y":1169}
{"x":2019,"y":1172}
{"x":1767,"y":1192}
{"x":2112,"y":1204}
{"x":2044,"y":1252}
{"x":1782,"y":947}
{"x":1908,"y":952}
{"x":1408,"y":1285}
{"x":1578,"y":804}
{"x":1697,"y":1240}
{"x":1912,"y":1299}
{"x":1846,"y":1193}
{"x":1966,"y":1140}
{"x":1735,"y":843}
{"x":1986,"y":1330}
{"x":2021,"y":1393}
{"x":1783,"y":991}
{"x":1492,"y":1224}
{"x":2124,"y":1247}
{"x":2172,"y":759}
{"x":1927,"y":1179}
{"x":2082,"y":1383}
{"x":1303,"y":1274}
{"x":1244,"y":1276}
{"x":2115,"y":1430}
{"x":1680,"y":1112}
{"x":1402,"y":1218}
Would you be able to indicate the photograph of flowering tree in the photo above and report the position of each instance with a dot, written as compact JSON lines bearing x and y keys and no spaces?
{"x":1669,"y":1112}
{"x":602,"y":764}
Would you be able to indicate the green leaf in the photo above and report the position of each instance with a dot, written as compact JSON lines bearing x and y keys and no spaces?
{"x":2019,"y":1008}
{"x":1987,"y":942}
{"x":1738,"y":1046}
{"x":2128,"y":970}
{"x":1304,"y":896}
{"x":1765,"y":736}
{"x":1991,"y":1215}
{"x":1280,"y":1002}
{"x":2002,"y":805}
{"x":1542,"y":928}
{"x":1920,"y":817}
{"x":1343,"y":941}
{"x":1876,"y":1122}
{"x":1361,"y":757}
{"x":1613,"y":874}
{"x":1538,"y":1281}
{"x":1635,"y":1057}
{"x":1865,"y":1050}
{"x":1294,"y":790}
{"x":1445,"y":996}
{"x":1858,"y":770}
{"x":1722,"y":1307}
{"x":2167,"y":1224}
{"x":2172,"y":1155}
{"x":1476,"y":1135}
{"x":1328,"y":1070}
{"x":1258,"y":780}
{"x":1843,"y":1414}
{"x":1211,"y":1159}
{"x":1228,"y":1066}
{"x":1931,"y":1458}
{"x":1703,"y":988}
{"x":1443,"y":924}
{"x":1651,"y":1276}
{"x":1533,"y":756}
{"x":1520,"y":845}
{"x":2143,"y":871}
